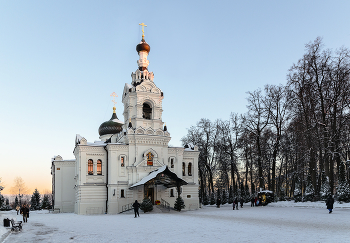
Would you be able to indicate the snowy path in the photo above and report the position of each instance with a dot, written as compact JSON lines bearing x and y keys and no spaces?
{"x":210,"y":224}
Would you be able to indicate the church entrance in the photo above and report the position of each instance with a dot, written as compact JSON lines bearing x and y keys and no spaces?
{"x":149,"y":193}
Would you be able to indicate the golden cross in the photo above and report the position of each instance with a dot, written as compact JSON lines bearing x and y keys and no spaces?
{"x":114,"y":95}
{"x":143,"y":31}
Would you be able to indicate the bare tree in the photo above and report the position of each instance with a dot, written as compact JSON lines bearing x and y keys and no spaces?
{"x":19,"y":186}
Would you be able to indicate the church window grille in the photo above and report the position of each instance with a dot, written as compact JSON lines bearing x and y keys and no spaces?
{"x":122,"y":193}
{"x":171,"y":163}
{"x":90,"y":167}
{"x":146,"y":111}
{"x":150,"y":159}
{"x":122,"y":162}
{"x":183,"y":168}
{"x":99,"y":167}
{"x":171,"y":192}
{"x":189,"y":170}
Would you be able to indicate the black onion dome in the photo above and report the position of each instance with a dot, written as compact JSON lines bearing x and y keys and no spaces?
{"x":143,"y":46}
{"x":112,"y":126}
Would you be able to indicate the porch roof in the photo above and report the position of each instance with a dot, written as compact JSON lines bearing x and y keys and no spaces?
{"x":162,"y":176}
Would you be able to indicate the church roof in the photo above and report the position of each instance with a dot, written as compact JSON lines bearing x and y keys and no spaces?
{"x":113,"y":126}
{"x":164,"y":176}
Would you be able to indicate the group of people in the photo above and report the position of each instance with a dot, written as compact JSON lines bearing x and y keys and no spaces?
{"x":235,"y":203}
{"x":255,"y":201}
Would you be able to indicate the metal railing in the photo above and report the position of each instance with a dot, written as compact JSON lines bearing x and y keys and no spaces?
{"x":127,"y":207}
{"x":165,"y":204}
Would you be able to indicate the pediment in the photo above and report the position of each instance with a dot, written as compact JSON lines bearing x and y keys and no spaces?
{"x":148,"y":86}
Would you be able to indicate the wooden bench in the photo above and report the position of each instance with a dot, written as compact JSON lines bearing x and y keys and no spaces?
{"x":16,"y":225}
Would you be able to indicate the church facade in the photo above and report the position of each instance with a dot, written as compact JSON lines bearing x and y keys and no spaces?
{"x":131,"y":161}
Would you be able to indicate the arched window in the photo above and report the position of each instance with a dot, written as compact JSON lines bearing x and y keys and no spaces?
{"x":90,"y":167}
{"x":183,"y":168}
{"x":146,"y":111}
{"x":122,"y":163}
{"x":99,"y":167}
{"x":171,"y":163}
{"x":150,"y":159}
{"x":189,"y":170}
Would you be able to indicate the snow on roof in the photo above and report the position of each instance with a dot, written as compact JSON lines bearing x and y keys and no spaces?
{"x":117,"y":121}
{"x":267,"y":191}
{"x":150,"y":176}
{"x":128,"y":85}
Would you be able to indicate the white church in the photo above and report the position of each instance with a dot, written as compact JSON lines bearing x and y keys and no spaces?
{"x":131,"y":161}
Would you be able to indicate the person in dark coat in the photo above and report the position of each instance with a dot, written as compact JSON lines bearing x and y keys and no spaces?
{"x":236,"y":203}
{"x":25,"y":213}
{"x":218,"y":202}
{"x":252,"y":202}
{"x":136,"y":206}
{"x":329,"y":203}
{"x":241,"y":201}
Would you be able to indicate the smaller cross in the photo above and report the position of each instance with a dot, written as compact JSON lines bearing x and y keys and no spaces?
{"x":143,"y":31}
{"x":114,"y":95}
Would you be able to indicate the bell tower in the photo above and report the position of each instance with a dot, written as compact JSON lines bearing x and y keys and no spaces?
{"x":142,"y":99}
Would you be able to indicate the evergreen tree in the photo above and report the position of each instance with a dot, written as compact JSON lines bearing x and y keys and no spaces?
{"x":297,"y":191}
{"x":325,"y":188}
{"x":2,"y":199}
{"x":343,"y":189}
{"x":146,"y":205}
{"x":45,"y":203}
{"x":309,"y":189}
{"x":205,"y":199}
{"x":35,"y":200}
{"x":230,"y":196}
{"x":16,"y":202}
{"x":224,"y":197}
{"x":212,"y":199}
{"x":179,"y":204}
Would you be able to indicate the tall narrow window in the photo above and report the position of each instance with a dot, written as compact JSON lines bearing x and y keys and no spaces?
{"x":99,"y":167}
{"x":90,"y":167}
{"x":171,"y":192}
{"x":150,"y":159}
{"x":189,"y":170}
{"x":183,"y":168}
{"x":171,"y":163}
{"x":146,"y":111}
{"x":122,"y":163}
{"x":122,"y":193}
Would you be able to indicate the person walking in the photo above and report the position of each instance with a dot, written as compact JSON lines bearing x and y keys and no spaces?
{"x":236,"y":203}
{"x":329,"y":203}
{"x":252,"y":202}
{"x":136,"y":206}
{"x":218,"y":202}
{"x":241,"y":201}
{"x":25,"y":213}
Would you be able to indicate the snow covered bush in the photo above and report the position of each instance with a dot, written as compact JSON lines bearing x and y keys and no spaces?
{"x":343,"y":189}
{"x":325,"y":189}
{"x":179,"y":204}
{"x":146,"y":205}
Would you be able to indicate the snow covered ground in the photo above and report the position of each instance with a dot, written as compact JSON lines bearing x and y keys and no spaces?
{"x":277,"y":222}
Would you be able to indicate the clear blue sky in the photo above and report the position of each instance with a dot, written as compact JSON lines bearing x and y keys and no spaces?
{"x":61,"y":60}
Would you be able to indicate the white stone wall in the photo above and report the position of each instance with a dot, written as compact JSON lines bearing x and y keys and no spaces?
{"x":63,"y":184}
